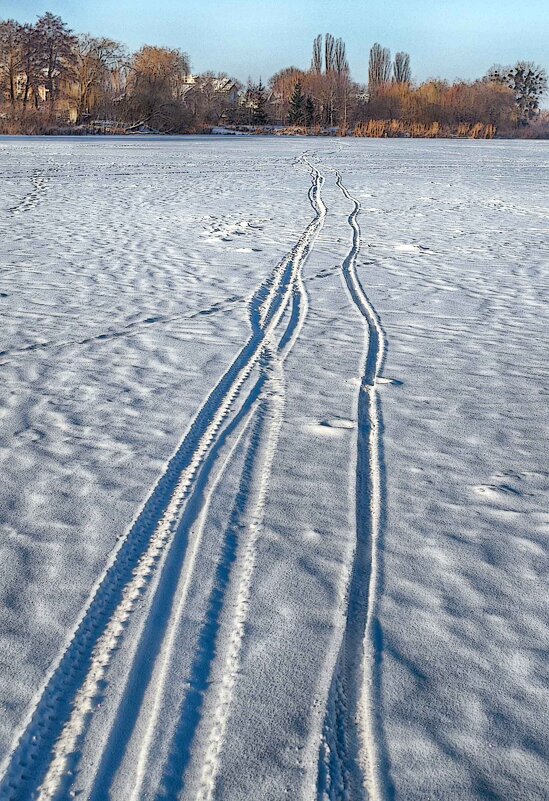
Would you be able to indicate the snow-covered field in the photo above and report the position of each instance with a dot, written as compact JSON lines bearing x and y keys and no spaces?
{"x":273,"y":447}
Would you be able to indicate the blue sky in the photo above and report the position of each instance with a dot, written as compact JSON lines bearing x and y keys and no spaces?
{"x":446,"y":38}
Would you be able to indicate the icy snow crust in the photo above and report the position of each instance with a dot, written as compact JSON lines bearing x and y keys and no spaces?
{"x":273,"y":443}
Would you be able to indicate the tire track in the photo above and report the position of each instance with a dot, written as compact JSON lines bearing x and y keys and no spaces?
{"x":55,"y":727}
{"x":243,"y":526}
{"x":161,"y":625}
{"x":254,"y":407}
{"x":265,"y":315}
{"x":248,"y":515}
{"x":351,"y":764}
{"x":249,"y":512}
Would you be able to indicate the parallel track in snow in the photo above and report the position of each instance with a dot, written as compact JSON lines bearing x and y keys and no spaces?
{"x":350,"y":763}
{"x":248,"y":511}
{"x":40,"y":764}
{"x":263,"y":409}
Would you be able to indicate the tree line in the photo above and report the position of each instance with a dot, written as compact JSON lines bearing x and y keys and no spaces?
{"x":51,"y":78}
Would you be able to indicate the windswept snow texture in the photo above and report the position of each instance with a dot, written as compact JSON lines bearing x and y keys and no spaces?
{"x":273,"y":445}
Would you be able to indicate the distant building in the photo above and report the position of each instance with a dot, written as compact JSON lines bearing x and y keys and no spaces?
{"x":39,"y":94}
{"x":228,"y":88}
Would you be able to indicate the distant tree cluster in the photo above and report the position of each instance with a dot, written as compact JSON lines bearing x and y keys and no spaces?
{"x":36,"y":59}
{"x":323,"y":96}
{"x":50,"y":78}
{"x":391,"y":104}
{"x":449,"y":104}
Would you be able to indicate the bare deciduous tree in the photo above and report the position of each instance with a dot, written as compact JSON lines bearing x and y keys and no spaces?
{"x":96,"y":63}
{"x":528,"y":82}
{"x":340,"y":63}
{"x":31,"y":64}
{"x":156,"y":87}
{"x":342,"y":81}
{"x":316,"y":65}
{"x":10,"y":57}
{"x":282,"y":86}
{"x":55,"y":53}
{"x":379,"y":68}
{"x":401,"y":68}
{"x":329,"y":47}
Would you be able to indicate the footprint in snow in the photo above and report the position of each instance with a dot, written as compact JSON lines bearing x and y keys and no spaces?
{"x":331,"y":428}
{"x":392,"y":381}
{"x":312,"y":535}
{"x":411,"y":248}
{"x":503,"y":496}
{"x":498,"y":489}
{"x":337,"y":422}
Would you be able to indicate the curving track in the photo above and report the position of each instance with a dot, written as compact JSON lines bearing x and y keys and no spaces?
{"x":154,"y":564}
{"x":150,"y":626}
{"x":350,"y":765}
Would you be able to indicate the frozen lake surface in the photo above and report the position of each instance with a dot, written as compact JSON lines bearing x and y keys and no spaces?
{"x":273,"y":446}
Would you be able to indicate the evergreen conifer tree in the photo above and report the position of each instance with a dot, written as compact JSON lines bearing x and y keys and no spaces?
{"x":309,"y":112}
{"x":260,"y":116}
{"x":297,"y":106}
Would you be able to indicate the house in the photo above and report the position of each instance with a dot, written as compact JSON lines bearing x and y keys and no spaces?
{"x":228,"y":88}
{"x":39,"y":94}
